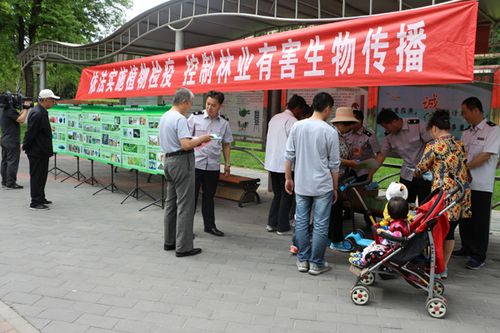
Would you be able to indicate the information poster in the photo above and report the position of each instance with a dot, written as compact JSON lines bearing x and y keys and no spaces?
{"x":74,"y":138}
{"x":134,"y":140}
{"x":155,"y":156}
{"x":59,"y":128}
{"x":111,"y":138}
{"x":421,"y":101}
{"x":352,"y":97}
{"x":245,"y":112}
{"x":91,"y":134}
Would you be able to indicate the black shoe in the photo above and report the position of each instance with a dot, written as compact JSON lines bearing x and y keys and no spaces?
{"x":214,"y":231}
{"x":460,"y":253}
{"x":39,"y":207}
{"x":193,"y":252}
{"x":168,"y":247}
{"x":47,"y":202}
{"x":14,"y":187}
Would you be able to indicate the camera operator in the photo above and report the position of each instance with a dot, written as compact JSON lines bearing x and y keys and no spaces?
{"x":38,"y":146}
{"x":10,"y":120}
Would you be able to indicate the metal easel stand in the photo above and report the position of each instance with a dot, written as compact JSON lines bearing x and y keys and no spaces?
{"x":56,"y":170}
{"x":77,"y":174}
{"x":91,"y":181}
{"x":136,"y":191}
{"x":111,"y":186}
{"x":160,"y":203}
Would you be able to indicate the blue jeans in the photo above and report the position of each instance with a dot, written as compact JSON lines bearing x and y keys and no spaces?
{"x":315,"y":252}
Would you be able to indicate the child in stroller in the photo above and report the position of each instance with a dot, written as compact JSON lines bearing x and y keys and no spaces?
{"x":397,"y":226}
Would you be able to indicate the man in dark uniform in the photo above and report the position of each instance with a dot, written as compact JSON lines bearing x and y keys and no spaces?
{"x":11,"y":142}
{"x":408,"y":138}
{"x":38,"y":146}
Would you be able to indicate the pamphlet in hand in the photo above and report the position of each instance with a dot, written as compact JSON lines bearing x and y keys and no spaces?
{"x":368,"y":164}
{"x":215,"y":137}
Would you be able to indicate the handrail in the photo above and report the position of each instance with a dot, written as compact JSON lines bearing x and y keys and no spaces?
{"x":248,"y":151}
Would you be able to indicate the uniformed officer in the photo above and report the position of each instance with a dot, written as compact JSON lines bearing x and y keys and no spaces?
{"x":209,"y":121}
{"x":363,"y":143}
{"x":407,"y":137}
{"x":482,"y":143}
{"x":11,"y":142}
{"x":38,"y":146}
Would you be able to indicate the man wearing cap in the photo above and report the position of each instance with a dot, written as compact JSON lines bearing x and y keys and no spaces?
{"x":38,"y":146}
{"x":178,"y":145}
{"x":482,"y":143}
{"x":278,"y":130}
{"x":11,"y":143}
{"x":363,"y":143}
{"x":207,"y":165}
{"x":408,"y":138}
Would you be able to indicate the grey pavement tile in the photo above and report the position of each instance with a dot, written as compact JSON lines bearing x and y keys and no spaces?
{"x":60,"y":315}
{"x":273,"y":322}
{"x":126,"y":313}
{"x":27,"y":310}
{"x":91,"y":308}
{"x":232,"y":316}
{"x":53,"y":302}
{"x":38,"y":323}
{"x":165,"y":319}
{"x":117,"y":301}
{"x":22,"y":298}
{"x":135,"y":326}
{"x":303,"y":314}
{"x":96,"y":321}
{"x":212,"y":325}
{"x":63,"y":327}
{"x":98,"y":330}
{"x":51,"y":291}
{"x":148,"y":306}
{"x":83,"y":296}
{"x":242,"y":328}
{"x":189,"y":311}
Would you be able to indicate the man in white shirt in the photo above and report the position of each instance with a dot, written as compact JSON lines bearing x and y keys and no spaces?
{"x":482,"y":143}
{"x":279,"y":128}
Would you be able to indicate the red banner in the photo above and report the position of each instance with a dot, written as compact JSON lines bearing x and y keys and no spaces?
{"x":431,"y":45}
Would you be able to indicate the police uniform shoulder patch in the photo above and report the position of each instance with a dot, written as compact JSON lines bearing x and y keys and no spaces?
{"x":367,"y":133}
{"x":413,"y":121}
{"x":492,"y":124}
{"x":223,"y":117}
{"x":197,"y":113}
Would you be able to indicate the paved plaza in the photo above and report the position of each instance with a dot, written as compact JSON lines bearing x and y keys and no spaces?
{"x":93,"y":265}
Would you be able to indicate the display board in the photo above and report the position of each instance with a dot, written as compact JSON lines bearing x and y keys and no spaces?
{"x":123,"y":136}
{"x":354,"y":97}
{"x":421,"y":101}
{"x":245,"y":113}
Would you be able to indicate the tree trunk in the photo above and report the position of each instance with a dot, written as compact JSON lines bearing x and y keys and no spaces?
{"x":29,"y":80}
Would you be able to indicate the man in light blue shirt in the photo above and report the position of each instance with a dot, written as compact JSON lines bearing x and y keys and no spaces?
{"x":178,"y":144}
{"x":313,"y":148}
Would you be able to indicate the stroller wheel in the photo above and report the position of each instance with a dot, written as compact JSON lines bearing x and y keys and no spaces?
{"x":438,"y":288}
{"x":436,"y":307}
{"x":360,"y":295}
{"x":368,"y":279}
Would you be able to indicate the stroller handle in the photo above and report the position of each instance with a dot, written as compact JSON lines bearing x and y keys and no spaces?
{"x":350,"y":183}
{"x":388,"y":236}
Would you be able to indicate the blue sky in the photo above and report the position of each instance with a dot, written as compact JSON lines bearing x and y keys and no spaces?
{"x":141,"y":6}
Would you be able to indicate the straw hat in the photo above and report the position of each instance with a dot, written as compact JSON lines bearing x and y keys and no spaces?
{"x":344,"y":114}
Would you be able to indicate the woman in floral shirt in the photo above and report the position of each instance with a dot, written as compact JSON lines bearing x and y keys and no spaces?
{"x":446,"y":159}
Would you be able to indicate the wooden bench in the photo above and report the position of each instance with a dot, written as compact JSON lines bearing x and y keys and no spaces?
{"x":238,"y":188}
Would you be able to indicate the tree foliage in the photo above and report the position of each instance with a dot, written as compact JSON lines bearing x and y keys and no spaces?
{"x":24,"y":23}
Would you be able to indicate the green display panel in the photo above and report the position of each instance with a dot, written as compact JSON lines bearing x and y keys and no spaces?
{"x":59,"y":127}
{"x":123,"y":136}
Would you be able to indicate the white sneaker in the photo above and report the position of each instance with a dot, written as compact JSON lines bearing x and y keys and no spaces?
{"x":303,"y":266}
{"x":284,"y":233}
{"x":270,"y":229}
{"x":317,"y":270}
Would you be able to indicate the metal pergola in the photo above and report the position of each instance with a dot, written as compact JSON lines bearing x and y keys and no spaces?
{"x":179,"y":24}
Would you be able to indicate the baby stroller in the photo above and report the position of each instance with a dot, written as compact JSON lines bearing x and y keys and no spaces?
{"x":405,"y":255}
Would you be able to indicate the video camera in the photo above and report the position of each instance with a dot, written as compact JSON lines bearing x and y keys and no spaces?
{"x":16,"y":101}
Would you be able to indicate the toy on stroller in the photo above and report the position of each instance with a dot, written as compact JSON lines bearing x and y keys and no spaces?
{"x":405,"y":254}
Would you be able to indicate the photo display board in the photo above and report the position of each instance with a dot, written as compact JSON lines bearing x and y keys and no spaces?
{"x":122,"y":136}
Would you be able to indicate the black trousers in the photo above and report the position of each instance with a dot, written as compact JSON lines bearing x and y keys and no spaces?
{"x":206,"y":180}
{"x":39,"y":169}
{"x":475,"y":231}
{"x":279,"y":213}
{"x":417,"y":188}
{"x":10,"y":163}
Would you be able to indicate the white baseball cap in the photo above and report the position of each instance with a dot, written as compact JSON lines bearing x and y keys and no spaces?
{"x":47,"y":93}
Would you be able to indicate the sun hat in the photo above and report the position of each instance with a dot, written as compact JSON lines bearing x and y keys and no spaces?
{"x":344,"y":114}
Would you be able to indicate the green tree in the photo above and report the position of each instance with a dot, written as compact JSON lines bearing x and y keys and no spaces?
{"x":24,"y":23}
